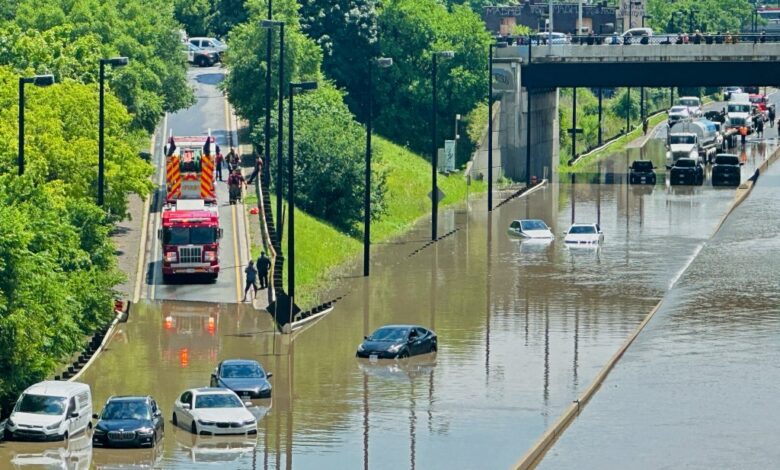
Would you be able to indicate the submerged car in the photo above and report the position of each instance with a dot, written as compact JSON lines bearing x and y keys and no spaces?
{"x":244,"y":376}
{"x":642,"y":172}
{"x":129,"y":421}
{"x":531,"y":228}
{"x":212,"y":411}
{"x":686,"y":171}
{"x":398,"y":342}
{"x":726,"y":170}
{"x":584,"y":235}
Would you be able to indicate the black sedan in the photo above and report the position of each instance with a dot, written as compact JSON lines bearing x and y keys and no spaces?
{"x":686,"y":171}
{"x":398,"y":342}
{"x":726,"y":170}
{"x":641,"y":172}
{"x":244,"y":376}
{"x":129,"y":421}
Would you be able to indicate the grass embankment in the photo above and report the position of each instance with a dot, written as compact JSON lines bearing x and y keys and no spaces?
{"x":321,"y":250}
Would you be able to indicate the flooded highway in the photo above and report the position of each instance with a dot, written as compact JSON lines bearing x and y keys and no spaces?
{"x":696,"y":389}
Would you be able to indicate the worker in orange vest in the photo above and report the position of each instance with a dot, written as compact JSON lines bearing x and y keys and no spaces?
{"x":743,"y":131}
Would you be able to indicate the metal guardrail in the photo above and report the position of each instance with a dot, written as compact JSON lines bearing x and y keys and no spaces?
{"x":660,"y":39}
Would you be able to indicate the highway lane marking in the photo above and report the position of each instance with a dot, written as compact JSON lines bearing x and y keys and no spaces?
{"x":158,"y":215}
{"x":142,"y":246}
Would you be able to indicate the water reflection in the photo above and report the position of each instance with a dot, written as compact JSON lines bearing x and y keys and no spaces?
{"x":121,"y":459}
{"x":214,"y":449}
{"x":73,"y":454}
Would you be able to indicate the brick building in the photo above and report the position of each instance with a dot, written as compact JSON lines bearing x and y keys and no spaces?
{"x":599,"y":18}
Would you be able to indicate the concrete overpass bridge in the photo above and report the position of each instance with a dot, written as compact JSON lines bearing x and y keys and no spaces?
{"x":526,"y":79}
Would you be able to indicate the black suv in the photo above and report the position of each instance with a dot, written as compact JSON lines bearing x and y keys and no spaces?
{"x":129,"y":421}
{"x":687,"y":171}
{"x":726,"y":171}
{"x":642,"y":172}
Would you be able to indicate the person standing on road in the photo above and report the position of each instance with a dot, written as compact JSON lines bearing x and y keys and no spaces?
{"x":760,"y":127}
{"x":258,"y":167}
{"x":645,"y":125}
{"x":743,"y":134}
{"x":251,"y":277}
{"x":772,"y":117}
{"x":218,"y":163}
{"x":263,"y":265}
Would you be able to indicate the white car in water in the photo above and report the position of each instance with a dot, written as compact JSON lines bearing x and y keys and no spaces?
{"x":213,"y":411}
{"x":584,"y":235}
{"x":534,"y":229}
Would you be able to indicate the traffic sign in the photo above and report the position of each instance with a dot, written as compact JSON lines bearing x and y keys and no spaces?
{"x":439,"y":192}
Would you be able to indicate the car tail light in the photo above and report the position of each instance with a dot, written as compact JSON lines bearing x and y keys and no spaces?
{"x":209,"y":256}
{"x":171,"y":257}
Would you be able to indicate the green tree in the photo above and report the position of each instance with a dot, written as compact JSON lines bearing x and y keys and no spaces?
{"x":705,"y":15}
{"x":625,"y":104}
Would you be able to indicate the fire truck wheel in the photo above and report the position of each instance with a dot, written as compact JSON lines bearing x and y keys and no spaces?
{"x":213,"y":277}
{"x":167,"y":278}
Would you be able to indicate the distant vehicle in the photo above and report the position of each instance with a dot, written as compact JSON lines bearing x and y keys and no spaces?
{"x":741,"y":97}
{"x":210,"y":44}
{"x":637,"y":36}
{"x":715,"y":116}
{"x":687,"y":171}
{"x":771,"y":17}
{"x":398,"y":342}
{"x":677,"y":114}
{"x":727,"y":92}
{"x":761,"y":105}
{"x":692,"y":103}
{"x":546,"y":37}
{"x":692,"y":139}
{"x":584,"y":234}
{"x":213,"y":411}
{"x":726,"y":170}
{"x":50,"y":410}
{"x":129,"y":421}
{"x":642,"y":172}
{"x":530,"y":228}
{"x":200,"y":57}
{"x":244,"y":376}
{"x":739,"y":114}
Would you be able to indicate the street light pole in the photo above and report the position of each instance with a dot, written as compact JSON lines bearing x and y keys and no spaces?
{"x":303,"y":86}
{"x":114,"y":62}
{"x":279,"y":150}
{"x":382,"y":62}
{"x":435,"y":154}
{"x":500,"y":44}
{"x":38,"y":80}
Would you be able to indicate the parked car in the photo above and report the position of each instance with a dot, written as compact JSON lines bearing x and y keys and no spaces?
{"x":398,"y":342}
{"x":637,"y":36}
{"x":546,"y":37}
{"x":686,"y":171}
{"x":677,"y":114}
{"x":50,"y":410}
{"x":244,"y":376}
{"x":210,"y":44}
{"x":692,"y":103}
{"x":642,"y":172}
{"x":726,"y":170}
{"x":213,"y":411}
{"x":583,"y":235}
{"x":200,"y":57}
{"x":531,"y":228}
{"x":729,"y":90}
{"x":129,"y":421}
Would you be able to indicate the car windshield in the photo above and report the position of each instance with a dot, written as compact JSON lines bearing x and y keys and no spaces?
{"x":242,"y":371}
{"x":217,"y":400}
{"x":679,"y":109}
{"x":217,"y":42}
{"x":390,"y":334}
{"x":757,"y":99}
{"x":41,"y":404}
{"x":689,"y":102}
{"x":124,"y":409}
{"x":682,"y":139}
{"x":685,"y":163}
{"x":727,"y":160}
{"x":643,"y":166}
{"x":739,"y":108}
{"x":189,"y":235}
{"x":533,"y":225}
{"x":582,"y":229}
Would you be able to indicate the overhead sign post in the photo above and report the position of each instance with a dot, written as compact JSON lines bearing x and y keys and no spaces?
{"x":449,"y":156}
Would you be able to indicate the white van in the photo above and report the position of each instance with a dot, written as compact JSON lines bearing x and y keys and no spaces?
{"x":51,"y":410}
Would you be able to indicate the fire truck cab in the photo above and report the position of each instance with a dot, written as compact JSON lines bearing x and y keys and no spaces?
{"x":190,"y":236}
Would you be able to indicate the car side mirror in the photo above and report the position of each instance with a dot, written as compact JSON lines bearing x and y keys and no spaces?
{"x":94,"y":416}
{"x":248,"y":403}
{"x":269,"y":375}
{"x":75,"y":414}
{"x":157,"y":413}
{"x":186,"y":406}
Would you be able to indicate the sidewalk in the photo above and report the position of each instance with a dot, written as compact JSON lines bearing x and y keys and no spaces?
{"x":127,"y":237}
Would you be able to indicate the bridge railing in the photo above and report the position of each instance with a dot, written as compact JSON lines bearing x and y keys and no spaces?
{"x":659,"y":39}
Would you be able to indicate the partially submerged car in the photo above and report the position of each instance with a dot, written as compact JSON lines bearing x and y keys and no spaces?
{"x":398,"y":342}
{"x":686,"y":171}
{"x":726,"y":170}
{"x":531,"y":229}
{"x":584,"y":235}
{"x":642,"y":172}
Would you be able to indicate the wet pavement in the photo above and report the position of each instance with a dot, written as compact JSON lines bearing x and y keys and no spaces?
{"x":697,"y":387}
{"x":523,"y":328}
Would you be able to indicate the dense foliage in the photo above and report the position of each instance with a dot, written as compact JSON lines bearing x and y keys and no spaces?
{"x":57,"y":263}
{"x":705,"y":15}
{"x":69,"y":37}
{"x":210,"y":17}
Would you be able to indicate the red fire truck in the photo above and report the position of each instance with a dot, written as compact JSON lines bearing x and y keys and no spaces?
{"x":190,"y":236}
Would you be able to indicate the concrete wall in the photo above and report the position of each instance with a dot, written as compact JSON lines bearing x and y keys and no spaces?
{"x":479,"y":162}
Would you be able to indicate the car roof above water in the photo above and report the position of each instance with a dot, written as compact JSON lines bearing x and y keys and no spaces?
{"x":56,"y":388}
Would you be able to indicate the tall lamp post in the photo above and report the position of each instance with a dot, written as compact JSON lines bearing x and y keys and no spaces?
{"x":279,"y":150}
{"x":381,"y":62}
{"x":500,"y":45}
{"x":293,"y":86}
{"x":37,"y":80}
{"x":114,"y":62}
{"x":435,"y":148}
